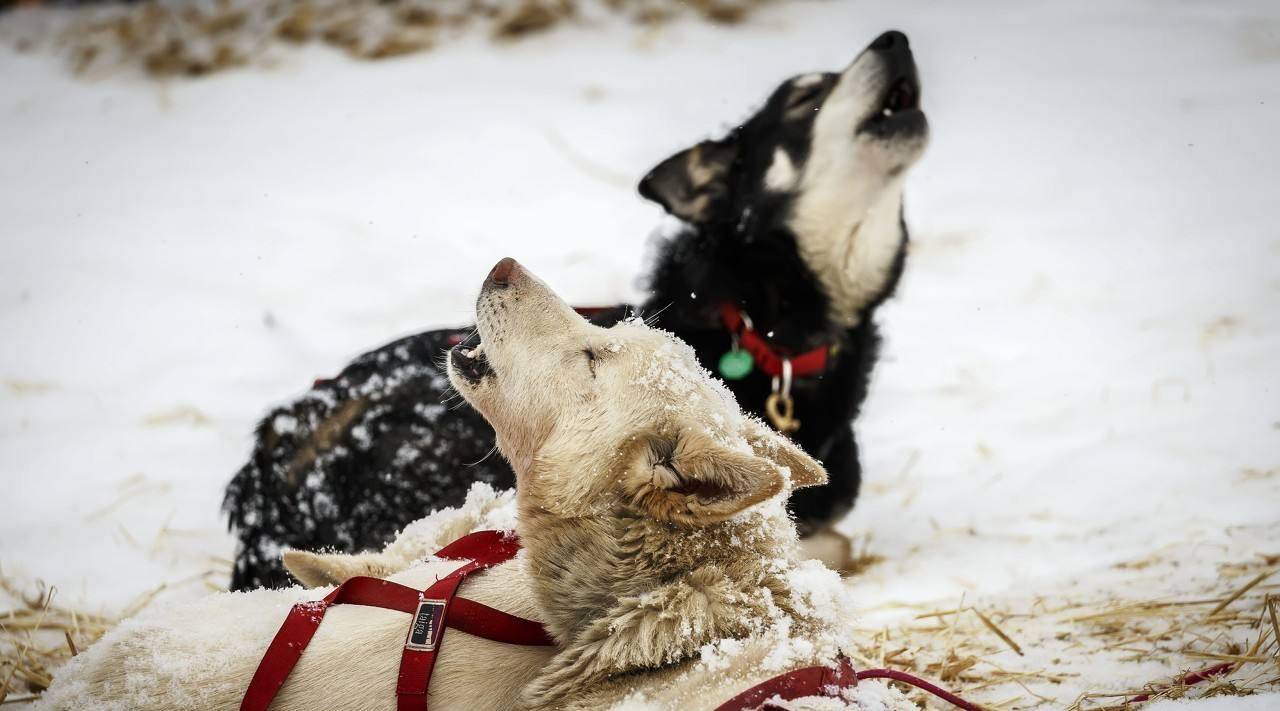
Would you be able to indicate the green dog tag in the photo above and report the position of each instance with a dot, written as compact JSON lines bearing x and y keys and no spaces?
{"x":736,"y":364}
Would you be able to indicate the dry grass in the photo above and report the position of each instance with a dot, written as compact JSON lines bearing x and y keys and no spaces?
{"x":37,"y":635}
{"x":1225,"y":642}
{"x":167,"y":38}
{"x":28,"y":651}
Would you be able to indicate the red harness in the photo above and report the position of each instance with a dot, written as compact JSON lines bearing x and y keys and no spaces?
{"x":432,"y":609}
{"x":764,"y":353}
{"x":438,"y":607}
{"x":829,"y":682}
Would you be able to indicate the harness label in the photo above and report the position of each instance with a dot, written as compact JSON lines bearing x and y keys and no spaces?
{"x":428,"y":623}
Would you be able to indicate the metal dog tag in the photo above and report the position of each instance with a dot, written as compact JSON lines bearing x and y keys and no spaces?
{"x":428,"y":623}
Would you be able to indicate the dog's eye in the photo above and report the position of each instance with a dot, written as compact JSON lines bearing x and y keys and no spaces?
{"x":806,"y":96}
{"x":591,"y":359}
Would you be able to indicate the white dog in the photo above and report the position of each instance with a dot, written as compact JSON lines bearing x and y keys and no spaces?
{"x":660,"y":553}
{"x":202,"y":655}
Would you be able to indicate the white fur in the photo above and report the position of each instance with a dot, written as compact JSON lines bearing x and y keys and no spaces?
{"x":850,"y":192}
{"x":782,"y":174}
{"x":806,"y":80}
{"x":203,"y":654}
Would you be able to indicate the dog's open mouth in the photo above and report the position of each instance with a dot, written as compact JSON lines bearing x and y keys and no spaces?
{"x":899,"y":110}
{"x":470,"y":363}
{"x":903,"y":95}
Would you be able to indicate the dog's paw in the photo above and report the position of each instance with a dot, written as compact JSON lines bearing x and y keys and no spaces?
{"x":836,"y":551}
{"x":832,"y":548}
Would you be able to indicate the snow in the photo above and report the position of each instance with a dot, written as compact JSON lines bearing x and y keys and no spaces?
{"x":1080,"y":366}
{"x":1221,"y":703}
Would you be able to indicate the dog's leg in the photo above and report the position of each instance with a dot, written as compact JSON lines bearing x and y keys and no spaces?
{"x":833,"y":548}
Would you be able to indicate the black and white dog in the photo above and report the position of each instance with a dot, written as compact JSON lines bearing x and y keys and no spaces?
{"x":792,"y":236}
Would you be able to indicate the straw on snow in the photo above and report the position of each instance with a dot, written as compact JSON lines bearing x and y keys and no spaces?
{"x":173,"y":38}
{"x":1223,"y":640}
{"x":37,"y":635}
{"x":1224,"y":643}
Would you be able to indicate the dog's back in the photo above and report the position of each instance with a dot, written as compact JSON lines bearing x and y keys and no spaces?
{"x":203,"y":654}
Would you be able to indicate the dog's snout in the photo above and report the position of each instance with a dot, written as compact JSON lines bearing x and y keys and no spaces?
{"x":891,"y":40}
{"x":502,"y":272}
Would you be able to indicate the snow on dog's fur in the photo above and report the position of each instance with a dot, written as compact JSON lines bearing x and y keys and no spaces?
{"x":651,"y":508}
{"x":795,"y":216}
{"x":202,"y":655}
{"x":484,"y":509}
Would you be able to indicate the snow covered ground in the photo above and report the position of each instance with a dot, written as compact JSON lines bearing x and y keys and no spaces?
{"x":1078,"y":396}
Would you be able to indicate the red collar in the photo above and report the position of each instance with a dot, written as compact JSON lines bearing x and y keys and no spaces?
{"x":766,"y":355}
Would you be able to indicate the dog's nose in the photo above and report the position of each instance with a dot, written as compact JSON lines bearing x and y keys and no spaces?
{"x":500,"y":275}
{"x":892,"y":39}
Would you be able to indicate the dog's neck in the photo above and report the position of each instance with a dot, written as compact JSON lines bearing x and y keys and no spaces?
{"x":805,"y":284}
{"x":625,"y":593}
{"x":855,"y":258}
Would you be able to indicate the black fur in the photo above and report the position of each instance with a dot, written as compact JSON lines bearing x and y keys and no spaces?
{"x":359,"y":456}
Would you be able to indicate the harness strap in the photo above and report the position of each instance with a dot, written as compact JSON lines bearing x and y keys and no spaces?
{"x":432,"y":610}
{"x":810,"y":681}
{"x":480,"y":620}
{"x":829,"y":682}
{"x":485,"y":549}
{"x":283,"y":654}
{"x":418,"y":659}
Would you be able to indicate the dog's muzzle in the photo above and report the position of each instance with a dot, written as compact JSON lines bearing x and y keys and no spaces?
{"x":898,"y":111}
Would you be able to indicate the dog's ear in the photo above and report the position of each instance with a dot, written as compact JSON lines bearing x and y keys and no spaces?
{"x":693,"y":480}
{"x":694,"y":183}
{"x":315,"y":570}
{"x":804,"y":470}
